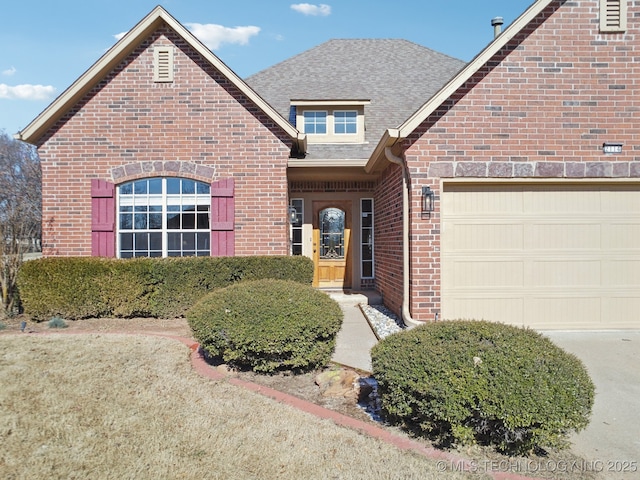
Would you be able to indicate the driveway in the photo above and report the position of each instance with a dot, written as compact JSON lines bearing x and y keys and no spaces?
{"x":612,"y":439}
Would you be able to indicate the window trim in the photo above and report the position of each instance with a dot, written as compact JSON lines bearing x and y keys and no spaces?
{"x":346,"y":123}
{"x":315,"y":123}
{"x":362,"y":237}
{"x":298,"y":204}
{"x":300,"y":107}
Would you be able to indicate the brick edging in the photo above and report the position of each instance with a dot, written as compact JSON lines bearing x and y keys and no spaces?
{"x":202,"y":368}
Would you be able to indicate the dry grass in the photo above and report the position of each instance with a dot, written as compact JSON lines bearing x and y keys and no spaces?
{"x":121,"y":407}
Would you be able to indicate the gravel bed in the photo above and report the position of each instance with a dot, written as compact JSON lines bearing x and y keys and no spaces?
{"x":383,"y":323}
{"x":382,"y":320}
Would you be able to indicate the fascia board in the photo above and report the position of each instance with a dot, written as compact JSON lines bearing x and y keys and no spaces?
{"x":32,"y":132}
{"x":327,"y":163}
{"x":313,"y":103}
{"x":377,"y":159}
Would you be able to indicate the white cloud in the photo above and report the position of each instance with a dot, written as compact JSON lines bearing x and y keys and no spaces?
{"x":118,"y":36}
{"x":213,"y":35}
{"x":322,"y":10}
{"x":9,"y":71}
{"x":27,"y":92}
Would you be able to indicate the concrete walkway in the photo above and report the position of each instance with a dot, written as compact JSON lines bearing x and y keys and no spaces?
{"x":355,"y":338}
{"x":610,"y":442}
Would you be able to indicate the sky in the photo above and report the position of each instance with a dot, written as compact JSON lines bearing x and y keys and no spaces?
{"x":46,"y":45}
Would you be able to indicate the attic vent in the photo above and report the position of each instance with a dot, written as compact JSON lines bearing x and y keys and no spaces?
{"x":163,"y":64}
{"x":613,"y":15}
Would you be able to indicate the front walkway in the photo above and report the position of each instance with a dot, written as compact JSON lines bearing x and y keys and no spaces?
{"x":355,"y":338}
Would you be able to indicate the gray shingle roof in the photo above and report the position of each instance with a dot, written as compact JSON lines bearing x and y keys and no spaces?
{"x":397,"y":76}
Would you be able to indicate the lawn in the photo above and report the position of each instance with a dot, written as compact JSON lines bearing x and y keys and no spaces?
{"x":122,"y":406}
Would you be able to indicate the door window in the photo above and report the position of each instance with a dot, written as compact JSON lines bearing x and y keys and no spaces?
{"x":332,"y":222}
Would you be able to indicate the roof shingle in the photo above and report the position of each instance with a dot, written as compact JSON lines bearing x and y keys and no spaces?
{"x":397,"y":76}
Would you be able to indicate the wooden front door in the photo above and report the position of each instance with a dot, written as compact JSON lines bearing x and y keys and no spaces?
{"x":331,"y":246}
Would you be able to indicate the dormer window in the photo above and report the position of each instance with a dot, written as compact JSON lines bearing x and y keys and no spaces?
{"x":330,"y":121}
{"x":315,"y":122}
{"x":345,"y":122}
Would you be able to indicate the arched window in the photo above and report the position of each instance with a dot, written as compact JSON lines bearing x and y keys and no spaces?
{"x":163,"y":217}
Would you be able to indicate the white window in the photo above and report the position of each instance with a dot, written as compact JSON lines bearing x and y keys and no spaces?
{"x":315,"y":122}
{"x":164,"y":217}
{"x":330,"y":121}
{"x":345,"y":122}
{"x":366,"y":237}
{"x":296,"y":226}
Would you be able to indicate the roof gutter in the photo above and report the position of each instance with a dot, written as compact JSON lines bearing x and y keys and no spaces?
{"x":406,"y":252}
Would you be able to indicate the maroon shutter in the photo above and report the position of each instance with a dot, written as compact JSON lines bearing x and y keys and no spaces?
{"x":103,"y":210}
{"x":222,"y":218}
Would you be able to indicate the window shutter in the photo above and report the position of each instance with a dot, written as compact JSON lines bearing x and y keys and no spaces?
{"x":222,"y":218}
{"x":613,"y":15}
{"x":103,"y":209}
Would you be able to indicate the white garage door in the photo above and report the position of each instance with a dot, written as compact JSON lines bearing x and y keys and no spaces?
{"x":545,"y":256}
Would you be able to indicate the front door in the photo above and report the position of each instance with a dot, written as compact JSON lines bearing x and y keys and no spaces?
{"x":331,"y":248}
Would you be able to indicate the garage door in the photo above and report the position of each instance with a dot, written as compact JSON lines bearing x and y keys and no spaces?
{"x":545,"y":256}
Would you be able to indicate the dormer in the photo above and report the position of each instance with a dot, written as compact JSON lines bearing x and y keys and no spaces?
{"x":330,"y":121}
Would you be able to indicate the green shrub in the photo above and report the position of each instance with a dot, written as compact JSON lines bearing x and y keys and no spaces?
{"x":267,"y":325}
{"x":57,"y":322}
{"x":125,"y":288}
{"x":82,"y":287}
{"x":180,"y":282}
{"x":3,"y":325}
{"x":490,"y":383}
{"x":67,"y":287}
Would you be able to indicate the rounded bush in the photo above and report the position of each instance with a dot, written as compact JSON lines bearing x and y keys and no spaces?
{"x":267,"y":325}
{"x":475,"y":381}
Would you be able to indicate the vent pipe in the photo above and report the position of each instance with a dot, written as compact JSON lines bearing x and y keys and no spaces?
{"x":497,"y":23}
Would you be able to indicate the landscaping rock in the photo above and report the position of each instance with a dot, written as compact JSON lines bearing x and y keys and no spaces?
{"x":227,"y":371}
{"x":338,"y":383}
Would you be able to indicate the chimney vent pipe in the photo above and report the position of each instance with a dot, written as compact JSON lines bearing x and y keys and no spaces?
{"x":497,"y":23}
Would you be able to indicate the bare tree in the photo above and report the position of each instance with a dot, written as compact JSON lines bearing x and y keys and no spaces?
{"x":20,"y":212}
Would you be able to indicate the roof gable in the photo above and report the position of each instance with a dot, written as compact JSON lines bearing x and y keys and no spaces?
{"x":154,"y":20}
{"x":394,"y":135}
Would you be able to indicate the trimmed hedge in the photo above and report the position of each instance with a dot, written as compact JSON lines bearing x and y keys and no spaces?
{"x":180,"y":282}
{"x":267,"y":326}
{"x":482,"y":382}
{"x":83,"y":287}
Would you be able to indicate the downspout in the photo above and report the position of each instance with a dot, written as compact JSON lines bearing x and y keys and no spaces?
{"x":406,"y":253}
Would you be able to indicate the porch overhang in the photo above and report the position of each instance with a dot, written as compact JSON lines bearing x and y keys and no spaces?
{"x":329,"y":170}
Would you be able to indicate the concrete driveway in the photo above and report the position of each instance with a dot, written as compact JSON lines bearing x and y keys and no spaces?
{"x":612,"y":439}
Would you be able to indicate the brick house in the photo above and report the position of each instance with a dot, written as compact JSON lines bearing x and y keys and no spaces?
{"x":506,"y":189}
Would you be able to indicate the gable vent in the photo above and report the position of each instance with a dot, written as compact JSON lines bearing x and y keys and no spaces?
{"x":613,"y":15}
{"x":163,"y":64}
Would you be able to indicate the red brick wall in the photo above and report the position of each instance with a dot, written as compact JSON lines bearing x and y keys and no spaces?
{"x":388,"y":238}
{"x":200,"y":126}
{"x":542,"y":108}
